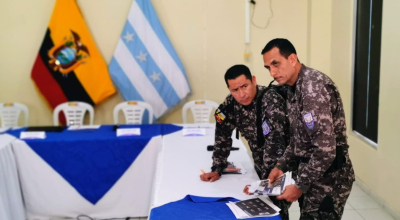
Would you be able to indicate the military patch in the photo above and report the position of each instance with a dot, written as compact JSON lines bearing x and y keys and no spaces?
{"x":309,"y":120}
{"x":219,"y":116}
{"x":265,"y":127}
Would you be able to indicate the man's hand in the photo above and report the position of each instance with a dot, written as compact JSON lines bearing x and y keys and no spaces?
{"x":275,"y":173}
{"x":209,"y":177}
{"x":246,"y":190}
{"x":290,"y":194}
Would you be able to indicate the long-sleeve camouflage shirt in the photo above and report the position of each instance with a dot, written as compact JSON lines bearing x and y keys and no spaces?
{"x":317,"y":124}
{"x":231,"y":115}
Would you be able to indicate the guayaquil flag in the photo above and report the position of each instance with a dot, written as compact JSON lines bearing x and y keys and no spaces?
{"x":145,"y":66}
{"x":68,"y":66}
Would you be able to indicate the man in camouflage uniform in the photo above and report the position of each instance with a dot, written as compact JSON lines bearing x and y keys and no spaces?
{"x":318,"y":136}
{"x":239,"y":111}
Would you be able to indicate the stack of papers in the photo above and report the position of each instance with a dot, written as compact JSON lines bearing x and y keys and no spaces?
{"x":256,"y":207}
{"x":264,"y":187}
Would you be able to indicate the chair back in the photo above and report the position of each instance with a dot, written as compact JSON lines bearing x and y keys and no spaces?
{"x":74,"y":112}
{"x":201,"y":110}
{"x":10,"y":112}
{"x":133,"y":112}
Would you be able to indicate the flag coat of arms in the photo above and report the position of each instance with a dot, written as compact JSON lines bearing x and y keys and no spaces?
{"x":145,"y":66}
{"x":68,"y":66}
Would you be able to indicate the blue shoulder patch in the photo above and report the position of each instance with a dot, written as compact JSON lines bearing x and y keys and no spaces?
{"x":309,"y":120}
{"x":265,"y":127}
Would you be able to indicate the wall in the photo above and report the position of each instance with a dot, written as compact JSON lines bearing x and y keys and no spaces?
{"x":207,"y":35}
{"x":377,"y":167}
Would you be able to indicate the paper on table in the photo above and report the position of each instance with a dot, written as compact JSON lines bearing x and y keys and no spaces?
{"x":203,"y":125}
{"x":81,"y":127}
{"x":236,"y":211}
{"x":255,"y":207}
{"x":32,"y":135}
{"x":128,"y":132}
{"x":194,"y":131}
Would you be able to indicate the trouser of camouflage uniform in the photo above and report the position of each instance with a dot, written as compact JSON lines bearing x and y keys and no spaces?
{"x":326,"y":198}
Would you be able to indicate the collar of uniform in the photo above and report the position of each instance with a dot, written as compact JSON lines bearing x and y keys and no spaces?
{"x":300,"y":78}
{"x":258,"y":87}
{"x":295,"y":89}
{"x":256,"y":97}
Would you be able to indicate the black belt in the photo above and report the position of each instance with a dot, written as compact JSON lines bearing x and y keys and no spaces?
{"x":337,"y":163}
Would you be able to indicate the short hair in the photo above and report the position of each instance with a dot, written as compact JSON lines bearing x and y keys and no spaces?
{"x":285,"y":47}
{"x":236,"y":71}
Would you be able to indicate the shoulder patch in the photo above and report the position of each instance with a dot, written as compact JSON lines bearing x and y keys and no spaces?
{"x":219,"y":116}
{"x":308,"y":120}
{"x":265,"y":127}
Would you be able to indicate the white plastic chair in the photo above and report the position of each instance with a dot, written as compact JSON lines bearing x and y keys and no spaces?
{"x":201,"y":110}
{"x":74,"y":112}
{"x":10,"y":112}
{"x":133,"y":112}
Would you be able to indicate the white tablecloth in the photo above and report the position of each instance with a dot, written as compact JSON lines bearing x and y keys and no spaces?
{"x":11,"y":205}
{"x":180,"y":162}
{"x":48,"y":195}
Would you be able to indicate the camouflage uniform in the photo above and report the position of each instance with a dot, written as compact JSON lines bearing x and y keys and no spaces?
{"x":318,"y":132}
{"x":231,"y":115}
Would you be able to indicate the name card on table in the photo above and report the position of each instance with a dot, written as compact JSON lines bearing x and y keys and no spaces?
{"x":128,"y":132}
{"x":194,"y":131}
{"x":82,"y":127}
{"x":32,"y":135}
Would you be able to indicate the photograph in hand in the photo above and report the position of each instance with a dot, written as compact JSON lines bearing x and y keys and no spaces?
{"x":264,"y":187}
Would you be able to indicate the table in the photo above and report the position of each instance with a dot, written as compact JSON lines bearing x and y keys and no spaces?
{"x":179,"y":165}
{"x":11,"y":205}
{"x":89,"y":172}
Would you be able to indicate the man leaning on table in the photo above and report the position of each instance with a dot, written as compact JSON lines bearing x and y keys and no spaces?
{"x":318,"y":139}
{"x":267,"y":141}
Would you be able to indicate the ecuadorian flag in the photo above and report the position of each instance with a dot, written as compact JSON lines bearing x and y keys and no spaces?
{"x":69,"y":67}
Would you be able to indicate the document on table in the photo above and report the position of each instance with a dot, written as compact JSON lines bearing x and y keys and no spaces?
{"x":255,"y":207}
{"x":32,"y":135}
{"x":194,"y":131}
{"x":128,"y":132}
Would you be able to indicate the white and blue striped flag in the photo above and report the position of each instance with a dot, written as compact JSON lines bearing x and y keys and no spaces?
{"x":145,"y":66}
